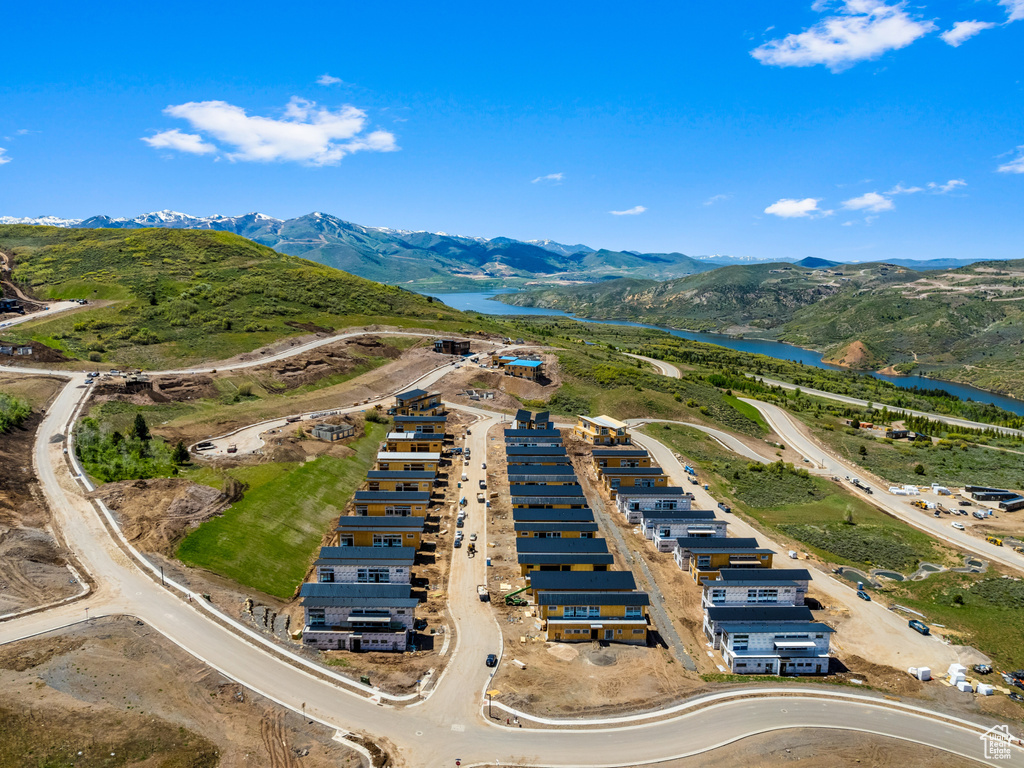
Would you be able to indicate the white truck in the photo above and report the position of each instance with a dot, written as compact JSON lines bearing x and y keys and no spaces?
{"x":482,"y":593}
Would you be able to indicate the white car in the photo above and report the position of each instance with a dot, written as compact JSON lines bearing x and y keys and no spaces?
{"x":958,"y":526}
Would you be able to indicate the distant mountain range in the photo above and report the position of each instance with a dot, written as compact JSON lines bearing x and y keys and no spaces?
{"x":439,"y":261}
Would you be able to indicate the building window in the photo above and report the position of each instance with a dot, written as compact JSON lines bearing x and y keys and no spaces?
{"x":362,"y":510}
{"x":634,"y":612}
{"x":326,"y":575}
{"x":765,"y":595}
{"x":704,"y":561}
{"x":398,"y":511}
{"x":387,"y":539}
{"x":346,"y":540}
{"x":317,"y":617}
{"x":373,"y":576}
{"x":717,"y":595}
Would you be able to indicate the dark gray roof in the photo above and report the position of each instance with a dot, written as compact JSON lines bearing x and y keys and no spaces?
{"x":523,"y":415}
{"x":767,"y":575}
{"x":358,"y":595}
{"x":628,"y":453}
{"x":397,"y":474}
{"x":585,"y":514}
{"x":366,"y":556}
{"x":526,"y":450}
{"x":678,"y":514}
{"x":416,"y":419}
{"x":412,"y":394}
{"x":543,"y":469}
{"x":634,"y":490}
{"x":567,"y":491}
{"x":384,"y":522}
{"x":593,"y":598}
{"x":569,"y":546}
{"x":533,"y":433}
{"x":758,"y":613}
{"x":576,"y":581}
{"x":555,"y":526}
{"x":535,"y":460}
{"x":714,"y":544}
{"x":422,"y":496}
{"x":755,"y":627}
{"x":563,"y":558}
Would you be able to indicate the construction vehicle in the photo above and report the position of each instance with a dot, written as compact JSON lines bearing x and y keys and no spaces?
{"x":512,"y":597}
{"x":994,"y":540}
{"x":232,"y":448}
{"x":471,"y":549}
{"x":919,"y":504}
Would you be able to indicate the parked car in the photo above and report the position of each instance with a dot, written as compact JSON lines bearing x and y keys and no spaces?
{"x":460,"y":522}
{"x":958,"y":526}
{"x":919,"y":626}
{"x":492,"y":660}
{"x":863,"y":595}
{"x":472,"y":536}
{"x":458,"y":543}
{"x":964,"y":503}
{"x":480,"y":498}
{"x":483,"y":485}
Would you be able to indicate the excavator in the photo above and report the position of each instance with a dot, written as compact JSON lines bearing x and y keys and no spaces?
{"x":512,"y":599}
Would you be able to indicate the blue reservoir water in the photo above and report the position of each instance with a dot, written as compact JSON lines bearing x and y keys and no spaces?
{"x":484,"y":303}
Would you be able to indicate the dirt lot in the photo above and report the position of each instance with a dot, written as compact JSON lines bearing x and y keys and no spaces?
{"x":116,"y":686}
{"x":508,"y":390}
{"x":33,"y":564}
{"x":566,"y":678}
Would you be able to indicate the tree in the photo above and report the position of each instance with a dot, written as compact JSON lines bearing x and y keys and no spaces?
{"x":919,"y":469}
{"x":116,"y":438}
{"x":863,"y":450}
{"x":140,"y":429}
{"x":855,"y":423}
{"x":180,"y":455}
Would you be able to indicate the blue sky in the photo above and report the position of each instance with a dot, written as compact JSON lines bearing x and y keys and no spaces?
{"x":853,"y":130}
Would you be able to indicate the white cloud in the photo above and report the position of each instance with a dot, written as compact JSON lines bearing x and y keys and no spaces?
{"x":949,"y":186}
{"x":860,"y":30}
{"x":1016,"y":165}
{"x":634,"y":211}
{"x":869,"y":201}
{"x":1014,"y":9}
{"x":305,"y":133}
{"x":716,"y":199}
{"x":3,"y":156}
{"x":789,"y":208}
{"x":899,"y":189}
{"x":551,"y":178}
{"x":964,"y":30}
{"x":326,"y":79}
{"x":181,"y":142}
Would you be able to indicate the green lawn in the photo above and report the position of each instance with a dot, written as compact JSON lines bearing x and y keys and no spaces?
{"x":266,"y":540}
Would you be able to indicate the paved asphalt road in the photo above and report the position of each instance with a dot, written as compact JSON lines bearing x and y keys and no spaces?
{"x":786,"y":427}
{"x":448,"y":725}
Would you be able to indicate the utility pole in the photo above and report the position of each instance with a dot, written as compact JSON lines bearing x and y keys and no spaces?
{"x":162,"y":576}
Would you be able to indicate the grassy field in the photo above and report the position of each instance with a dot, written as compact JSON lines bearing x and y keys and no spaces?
{"x":600,"y":380}
{"x":802,"y":507}
{"x":266,"y":540}
{"x":945,"y":462}
{"x":983,"y":610}
{"x":181,"y":296}
{"x":50,"y":737}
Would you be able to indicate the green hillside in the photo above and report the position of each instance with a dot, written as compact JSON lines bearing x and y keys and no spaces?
{"x":186,"y":295}
{"x":965,"y":324}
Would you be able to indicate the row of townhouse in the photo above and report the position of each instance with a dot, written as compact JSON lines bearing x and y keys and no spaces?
{"x":361,"y":597}
{"x":627,"y":468}
{"x":753,"y":613}
{"x":578,"y":595}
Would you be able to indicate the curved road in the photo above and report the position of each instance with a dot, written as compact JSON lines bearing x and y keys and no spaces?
{"x":666,"y":369}
{"x":448,"y":724}
{"x":786,"y":427}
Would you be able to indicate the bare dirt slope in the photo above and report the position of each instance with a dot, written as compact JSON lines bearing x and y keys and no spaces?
{"x":156,"y":514}
{"x":115,"y":685}
{"x":33,"y":565}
